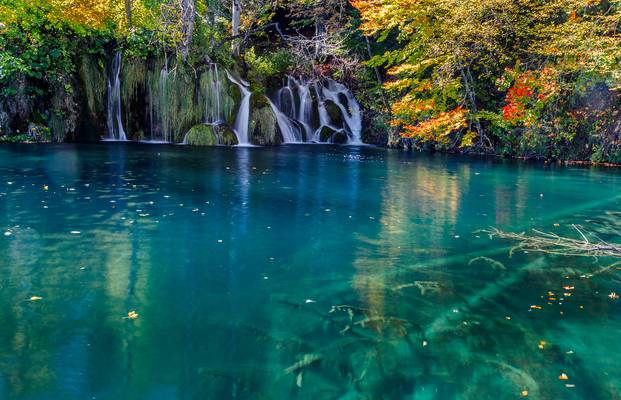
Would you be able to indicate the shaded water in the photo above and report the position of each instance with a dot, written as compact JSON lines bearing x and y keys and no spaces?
{"x":298,"y":272}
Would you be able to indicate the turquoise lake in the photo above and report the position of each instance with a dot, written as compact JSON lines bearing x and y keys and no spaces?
{"x":301,"y":272}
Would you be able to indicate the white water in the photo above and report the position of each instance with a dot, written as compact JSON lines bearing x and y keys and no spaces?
{"x":351,"y":113}
{"x":290,"y":132}
{"x":242,"y":121}
{"x":163,"y":102}
{"x":324,"y":118}
{"x":305,"y":110}
{"x":294,"y":108}
{"x":114,"y":120}
{"x":213,"y":97}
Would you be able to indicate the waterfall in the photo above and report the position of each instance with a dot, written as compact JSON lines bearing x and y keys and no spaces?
{"x":324,"y":118}
{"x":294,"y":108}
{"x":163,"y":102}
{"x":286,"y":112}
{"x":242,"y":121}
{"x":350,"y":111}
{"x":114,"y":121}
{"x":290,"y":132}
{"x":213,"y":97}
{"x":305,"y":110}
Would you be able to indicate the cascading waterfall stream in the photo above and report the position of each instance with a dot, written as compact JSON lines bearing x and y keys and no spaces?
{"x":213,"y":98}
{"x":242,"y":121}
{"x":290,"y":132}
{"x":350,"y":112}
{"x":294,"y":108}
{"x":305,"y":110}
{"x":324,"y":118}
{"x":215,"y":106}
{"x":163,"y":101}
{"x":114,"y":120}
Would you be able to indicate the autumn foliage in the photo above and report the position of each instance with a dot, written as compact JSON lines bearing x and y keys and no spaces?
{"x":510,"y":73}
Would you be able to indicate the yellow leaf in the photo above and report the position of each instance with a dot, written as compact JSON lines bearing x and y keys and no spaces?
{"x":132,"y":315}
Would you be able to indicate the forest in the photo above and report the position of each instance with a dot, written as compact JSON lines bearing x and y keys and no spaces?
{"x":520,"y":78}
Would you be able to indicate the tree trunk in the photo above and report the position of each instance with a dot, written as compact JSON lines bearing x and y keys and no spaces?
{"x":187,"y":26}
{"x":128,"y":12}
{"x":235,"y":19}
{"x":468,"y":86}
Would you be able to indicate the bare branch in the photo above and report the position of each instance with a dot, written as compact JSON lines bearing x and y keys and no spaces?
{"x":551,"y":243}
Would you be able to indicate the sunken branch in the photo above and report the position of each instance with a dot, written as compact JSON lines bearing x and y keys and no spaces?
{"x":551,"y":243}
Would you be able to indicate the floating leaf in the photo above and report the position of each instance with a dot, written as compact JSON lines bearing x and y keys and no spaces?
{"x":132,"y":315}
{"x":563,"y":377}
{"x":35,"y":298}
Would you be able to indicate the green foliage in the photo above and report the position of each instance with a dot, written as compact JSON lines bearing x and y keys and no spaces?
{"x":270,"y":64}
{"x":21,"y":138}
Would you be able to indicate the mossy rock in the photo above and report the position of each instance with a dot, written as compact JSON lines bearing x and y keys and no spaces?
{"x":227,"y":135}
{"x":264,"y":127}
{"x":201,"y":135}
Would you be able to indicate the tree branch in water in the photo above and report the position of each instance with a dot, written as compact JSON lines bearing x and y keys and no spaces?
{"x":551,"y":243}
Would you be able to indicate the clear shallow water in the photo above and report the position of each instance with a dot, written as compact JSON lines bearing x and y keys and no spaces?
{"x":235,"y":258}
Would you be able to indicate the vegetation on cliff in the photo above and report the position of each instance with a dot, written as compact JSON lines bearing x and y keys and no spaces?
{"x":526,"y":78}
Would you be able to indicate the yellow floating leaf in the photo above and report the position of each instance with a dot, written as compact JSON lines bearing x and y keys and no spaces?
{"x":132,"y":315}
{"x":524,"y":393}
{"x":563,"y":377}
{"x":35,"y":298}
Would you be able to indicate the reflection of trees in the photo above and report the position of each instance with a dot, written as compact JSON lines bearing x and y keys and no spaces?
{"x":419,"y":210}
{"x":87,"y":281}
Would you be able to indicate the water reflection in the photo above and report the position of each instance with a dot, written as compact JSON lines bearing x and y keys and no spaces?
{"x":301,"y":272}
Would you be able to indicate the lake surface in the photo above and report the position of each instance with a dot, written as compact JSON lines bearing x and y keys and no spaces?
{"x":300,"y":272}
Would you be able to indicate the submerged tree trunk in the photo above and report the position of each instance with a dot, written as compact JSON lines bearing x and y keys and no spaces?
{"x":187,"y":26}
{"x":235,"y":19}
